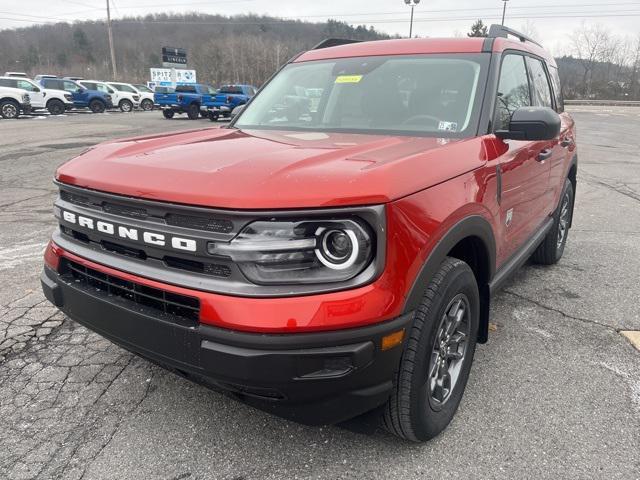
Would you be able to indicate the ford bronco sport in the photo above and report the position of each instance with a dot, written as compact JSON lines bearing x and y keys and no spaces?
{"x":324,"y":258}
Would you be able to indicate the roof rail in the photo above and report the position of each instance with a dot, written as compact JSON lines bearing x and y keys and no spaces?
{"x":502,"y":31}
{"x":334,"y":42}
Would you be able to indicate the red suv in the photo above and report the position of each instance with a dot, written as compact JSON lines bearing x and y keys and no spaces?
{"x":334,"y":249}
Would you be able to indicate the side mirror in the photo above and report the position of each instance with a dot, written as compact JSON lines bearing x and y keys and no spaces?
{"x":532,"y":123}
{"x":236,"y":111}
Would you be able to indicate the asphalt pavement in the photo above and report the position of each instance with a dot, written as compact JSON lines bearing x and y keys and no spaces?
{"x":555,"y":393}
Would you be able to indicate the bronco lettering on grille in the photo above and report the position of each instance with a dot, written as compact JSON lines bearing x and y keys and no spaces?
{"x":130,"y":233}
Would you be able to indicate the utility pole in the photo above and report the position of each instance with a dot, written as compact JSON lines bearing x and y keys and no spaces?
{"x":412,"y":4}
{"x":504,"y":9}
{"x":113,"y":52}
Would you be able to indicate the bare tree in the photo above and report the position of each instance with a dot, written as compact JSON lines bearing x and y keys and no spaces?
{"x":590,"y":44}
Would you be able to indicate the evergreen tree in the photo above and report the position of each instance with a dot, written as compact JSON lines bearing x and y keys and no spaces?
{"x":478,"y":29}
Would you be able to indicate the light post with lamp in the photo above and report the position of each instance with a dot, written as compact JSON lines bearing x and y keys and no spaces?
{"x":412,"y":4}
{"x":504,"y":9}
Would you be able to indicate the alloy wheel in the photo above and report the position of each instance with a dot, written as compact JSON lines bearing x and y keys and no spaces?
{"x":563,"y":221}
{"x":449,"y":350}
{"x":9,"y":110}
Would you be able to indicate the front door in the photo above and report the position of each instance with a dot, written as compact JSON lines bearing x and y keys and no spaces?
{"x":524,"y":165}
{"x":36,"y":94}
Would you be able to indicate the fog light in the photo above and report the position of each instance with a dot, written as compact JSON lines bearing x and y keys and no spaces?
{"x":392,"y":340}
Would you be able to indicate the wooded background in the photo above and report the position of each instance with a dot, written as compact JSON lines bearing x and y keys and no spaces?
{"x":249,"y":48}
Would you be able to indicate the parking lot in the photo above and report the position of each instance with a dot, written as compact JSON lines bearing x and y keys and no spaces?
{"x":554,"y":394}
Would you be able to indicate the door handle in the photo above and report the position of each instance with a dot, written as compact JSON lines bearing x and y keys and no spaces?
{"x":544,"y":154}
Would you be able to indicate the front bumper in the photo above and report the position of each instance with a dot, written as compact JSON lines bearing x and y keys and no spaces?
{"x":313,"y":378}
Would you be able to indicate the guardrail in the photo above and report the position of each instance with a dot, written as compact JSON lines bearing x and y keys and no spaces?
{"x":609,"y":103}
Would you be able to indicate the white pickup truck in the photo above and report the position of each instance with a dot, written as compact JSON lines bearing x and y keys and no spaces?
{"x":55,"y":101}
{"x":13,"y":101}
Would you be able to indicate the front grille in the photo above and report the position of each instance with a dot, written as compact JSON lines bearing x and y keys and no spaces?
{"x":177,"y":308}
{"x":200,"y":223}
{"x":194,"y":222}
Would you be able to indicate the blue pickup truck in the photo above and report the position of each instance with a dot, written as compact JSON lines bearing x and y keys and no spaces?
{"x":228,"y":98}
{"x":83,"y":97}
{"x":187,"y":99}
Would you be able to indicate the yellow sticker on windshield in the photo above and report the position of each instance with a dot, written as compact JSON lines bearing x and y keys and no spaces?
{"x":348,"y":78}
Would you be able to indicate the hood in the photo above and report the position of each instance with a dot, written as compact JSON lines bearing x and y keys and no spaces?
{"x":230,"y":168}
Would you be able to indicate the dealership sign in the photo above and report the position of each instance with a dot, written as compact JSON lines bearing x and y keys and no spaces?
{"x":174,"y":57}
{"x":169,"y":76}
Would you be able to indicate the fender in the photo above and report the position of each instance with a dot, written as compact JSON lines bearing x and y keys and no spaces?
{"x":474,"y":226}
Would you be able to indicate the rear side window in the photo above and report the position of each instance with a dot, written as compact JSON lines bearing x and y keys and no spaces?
{"x":231,"y":89}
{"x":7,"y":82}
{"x":557,"y":89}
{"x":541,"y":88}
{"x":89,"y":85}
{"x":186,"y":89}
{"x":513,"y":90}
{"x":53,"y":83}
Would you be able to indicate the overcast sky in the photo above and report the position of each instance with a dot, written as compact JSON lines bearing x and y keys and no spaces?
{"x":551,"y":20}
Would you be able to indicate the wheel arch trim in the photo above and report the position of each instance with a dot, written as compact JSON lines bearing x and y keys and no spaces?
{"x":471,"y":226}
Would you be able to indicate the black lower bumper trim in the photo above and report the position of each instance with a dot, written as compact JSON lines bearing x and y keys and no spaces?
{"x":313,"y":378}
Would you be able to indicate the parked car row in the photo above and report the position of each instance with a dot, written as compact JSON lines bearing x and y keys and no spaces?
{"x":203,"y":100}
{"x":22,"y":95}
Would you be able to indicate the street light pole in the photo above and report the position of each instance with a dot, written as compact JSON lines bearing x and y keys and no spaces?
{"x":504,"y":9}
{"x":113,"y":53}
{"x":412,"y":4}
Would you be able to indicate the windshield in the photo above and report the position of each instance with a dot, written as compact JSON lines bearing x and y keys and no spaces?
{"x":435,"y":95}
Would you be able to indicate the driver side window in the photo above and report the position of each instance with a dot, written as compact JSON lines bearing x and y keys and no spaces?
{"x":513,"y":90}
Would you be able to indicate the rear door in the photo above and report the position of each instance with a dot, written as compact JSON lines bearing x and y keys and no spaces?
{"x":524,"y":173}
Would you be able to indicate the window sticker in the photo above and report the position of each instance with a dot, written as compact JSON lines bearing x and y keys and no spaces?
{"x":448,"y":126}
{"x":348,"y":79}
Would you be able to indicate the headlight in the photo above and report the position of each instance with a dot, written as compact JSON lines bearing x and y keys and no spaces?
{"x":68,"y":96}
{"x":300,"y":252}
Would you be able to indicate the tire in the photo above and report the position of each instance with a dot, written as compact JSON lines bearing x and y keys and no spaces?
{"x":9,"y":109}
{"x":125,"y":106}
{"x":552,"y":247}
{"x":96,"y":106}
{"x":146,"y":105}
{"x":55,"y":106}
{"x":193,"y":112}
{"x":168,"y":114}
{"x":418,"y":410}
{"x":213,"y":116}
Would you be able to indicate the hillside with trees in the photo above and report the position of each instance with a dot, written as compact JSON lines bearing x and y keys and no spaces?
{"x":222,"y":49}
{"x":249,"y":48}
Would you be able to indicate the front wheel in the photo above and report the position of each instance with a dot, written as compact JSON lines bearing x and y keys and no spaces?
{"x":168,"y":114}
{"x":552,"y":247}
{"x":96,"y":106}
{"x":193,"y":112}
{"x":437,"y":356}
{"x":125,"y":106}
{"x":146,"y":105}
{"x":9,"y":109}
{"x":55,"y":107}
